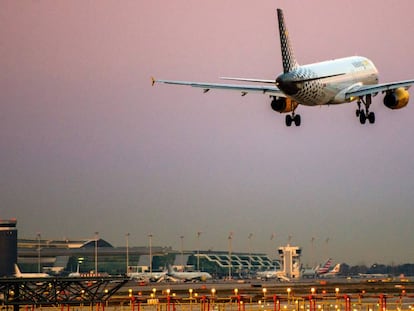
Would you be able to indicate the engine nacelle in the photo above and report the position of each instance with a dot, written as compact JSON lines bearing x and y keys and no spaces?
{"x":397,"y":99}
{"x":283,"y":105}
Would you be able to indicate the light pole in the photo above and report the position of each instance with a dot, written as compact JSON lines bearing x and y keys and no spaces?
{"x":96,"y":252}
{"x":289,"y":290}
{"x":250,"y":251}
{"x":182,"y":251}
{"x":327,"y":249}
{"x":312,"y":260}
{"x":190,"y":291}
{"x":127,"y":252}
{"x":264,"y":290}
{"x":213,"y":294}
{"x":38,"y":252}
{"x":230,"y":239}
{"x":150,"y":252}
{"x":198,"y":250}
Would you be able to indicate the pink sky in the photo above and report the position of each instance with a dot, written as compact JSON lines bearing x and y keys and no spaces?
{"x":88,"y":145}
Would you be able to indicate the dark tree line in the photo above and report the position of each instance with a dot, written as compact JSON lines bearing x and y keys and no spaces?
{"x":395,"y":270}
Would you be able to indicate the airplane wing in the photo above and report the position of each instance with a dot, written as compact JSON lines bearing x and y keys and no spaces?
{"x":244,"y":89}
{"x":376,"y":88}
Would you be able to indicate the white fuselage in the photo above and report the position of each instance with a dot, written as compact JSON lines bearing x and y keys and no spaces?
{"x":189,"y":276}
{"x":327,"y":82}
{"x":19,"y":274}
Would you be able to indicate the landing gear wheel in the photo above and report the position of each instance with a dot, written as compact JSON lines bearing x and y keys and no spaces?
{"x":371,"y":117}
{"x":362,"y":117}
{"x":297,"y":119}
{"x":288,"y":120}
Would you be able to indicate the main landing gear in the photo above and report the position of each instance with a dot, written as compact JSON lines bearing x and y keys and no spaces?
{"x":293,"y":118}
{"x":363,"y":115}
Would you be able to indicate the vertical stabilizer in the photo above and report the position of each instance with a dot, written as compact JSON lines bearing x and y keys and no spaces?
{"x":288,"y":58}
{"x":17,"y":272}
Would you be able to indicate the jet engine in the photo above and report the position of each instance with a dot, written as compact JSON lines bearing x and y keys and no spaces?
{"x":397,"y":98}
{"x":283,"y":105}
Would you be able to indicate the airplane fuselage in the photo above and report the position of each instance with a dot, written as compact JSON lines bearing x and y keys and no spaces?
{"x":327,"y":82}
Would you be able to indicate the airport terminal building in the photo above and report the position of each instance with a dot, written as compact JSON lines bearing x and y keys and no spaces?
{"x":65,"y":256}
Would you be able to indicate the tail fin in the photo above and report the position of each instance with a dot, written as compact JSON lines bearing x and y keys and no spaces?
{"x":288,"y":58}
{"x":325,"y":267}
{"x":337,"y":268}
{"x":17,"y":272}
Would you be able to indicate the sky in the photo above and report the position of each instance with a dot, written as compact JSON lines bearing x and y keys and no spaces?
{"x":88,"y":145}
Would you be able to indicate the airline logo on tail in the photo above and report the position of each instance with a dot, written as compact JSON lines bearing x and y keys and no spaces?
{"x":336,"y":269}
{"x":325,"y":267}
{"x":288,"y":58}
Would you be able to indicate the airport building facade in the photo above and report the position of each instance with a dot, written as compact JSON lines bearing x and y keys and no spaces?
{"x":64,"y":256}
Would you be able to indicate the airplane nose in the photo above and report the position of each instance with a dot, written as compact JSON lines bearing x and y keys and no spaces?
{"x":288,"y":83}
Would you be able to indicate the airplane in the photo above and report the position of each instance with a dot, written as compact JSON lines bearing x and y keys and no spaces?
{"x":75,"y":274}
{"x":187,"y":276}
{"x":331,"y":82}
{"x":332,"y":273}
{"x":373,"y":275}
{"x":19,"y":274}
{"x":325,"y":268}
{"x":318,"y":270}
{"x":272,"y":274}
{"x":148,"y":276}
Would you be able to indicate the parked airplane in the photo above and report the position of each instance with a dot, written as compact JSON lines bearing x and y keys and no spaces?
{"x":373,"y":275}
{"x":318,"y":270}
{"x":272,"y":274}
{"x":19,"y":274}
{"x":332,"y":273}
{"x":330,"y":82}
{"x":148,"y":276}
{"x":187,"y":276}
{"x":325,"y":268}
{"x":75,"y":274}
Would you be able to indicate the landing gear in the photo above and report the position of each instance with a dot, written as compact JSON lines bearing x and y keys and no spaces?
{"x":293,"y":118}
{"x":364,"y":114}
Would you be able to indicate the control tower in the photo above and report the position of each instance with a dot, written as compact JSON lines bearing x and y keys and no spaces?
{"x":8,"y":247}
{"x":290,"y":256}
